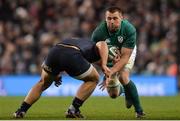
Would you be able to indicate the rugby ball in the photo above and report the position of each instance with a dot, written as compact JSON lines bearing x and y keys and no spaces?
{"x":115,"y":84}
{"x":113,"y":51}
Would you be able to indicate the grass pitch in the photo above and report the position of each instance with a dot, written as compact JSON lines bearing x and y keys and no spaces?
{"x":95,"y":108}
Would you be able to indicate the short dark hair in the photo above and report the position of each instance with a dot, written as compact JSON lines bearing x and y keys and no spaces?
{"x":113,"y":9}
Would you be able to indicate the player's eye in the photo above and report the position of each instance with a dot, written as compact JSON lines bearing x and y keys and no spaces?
{"x":109,"y":18}
{"x":115,"y":18}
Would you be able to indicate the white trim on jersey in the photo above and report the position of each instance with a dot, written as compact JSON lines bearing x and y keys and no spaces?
{"x":86,"y":73}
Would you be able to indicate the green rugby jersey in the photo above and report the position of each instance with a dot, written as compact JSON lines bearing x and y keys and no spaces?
{"x":125,"y":36}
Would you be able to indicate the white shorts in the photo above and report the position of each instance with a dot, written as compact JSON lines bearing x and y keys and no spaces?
{"x":131,"y":60}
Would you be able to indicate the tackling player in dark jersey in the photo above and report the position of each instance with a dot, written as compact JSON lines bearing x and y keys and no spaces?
{"x":75,"y":57}
{"x":120,"y":33}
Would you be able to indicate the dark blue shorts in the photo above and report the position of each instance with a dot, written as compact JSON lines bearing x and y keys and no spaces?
{"x":67,"y":59}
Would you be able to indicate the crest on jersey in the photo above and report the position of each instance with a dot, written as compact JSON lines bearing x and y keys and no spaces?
{"x":120,"y":39}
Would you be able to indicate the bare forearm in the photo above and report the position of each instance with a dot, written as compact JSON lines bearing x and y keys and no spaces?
{"x":124,"y":58}
{"x":103,"y":52}
{"x":119,"y":65}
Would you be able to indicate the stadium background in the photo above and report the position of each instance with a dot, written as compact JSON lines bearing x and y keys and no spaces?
{"x":28,"y":28}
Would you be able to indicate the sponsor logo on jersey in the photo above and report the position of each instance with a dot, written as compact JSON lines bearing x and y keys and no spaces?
{"x":120,"y":39}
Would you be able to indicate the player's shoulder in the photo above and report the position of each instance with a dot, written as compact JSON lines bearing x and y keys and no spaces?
{"x":128,"y":26}
{"x":126,"y":22}
{"x":101,"y":32}
{"x":102,"y":25}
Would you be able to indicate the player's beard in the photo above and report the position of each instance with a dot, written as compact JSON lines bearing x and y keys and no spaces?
{"x":113,"y":28}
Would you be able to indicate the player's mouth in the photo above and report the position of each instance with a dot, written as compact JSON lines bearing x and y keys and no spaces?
{"x":113,"y":29}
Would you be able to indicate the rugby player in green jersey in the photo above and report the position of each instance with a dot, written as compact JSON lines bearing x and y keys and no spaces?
{"x":120,"y":33}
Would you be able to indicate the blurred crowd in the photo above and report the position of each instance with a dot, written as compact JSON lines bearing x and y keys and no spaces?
{"x":28,"y":28}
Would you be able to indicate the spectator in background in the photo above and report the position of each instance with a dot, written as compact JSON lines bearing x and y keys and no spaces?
{"x":24,"y":24}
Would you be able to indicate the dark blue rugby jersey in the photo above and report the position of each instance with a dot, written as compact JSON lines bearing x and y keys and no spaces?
{"x":87,"y":48}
